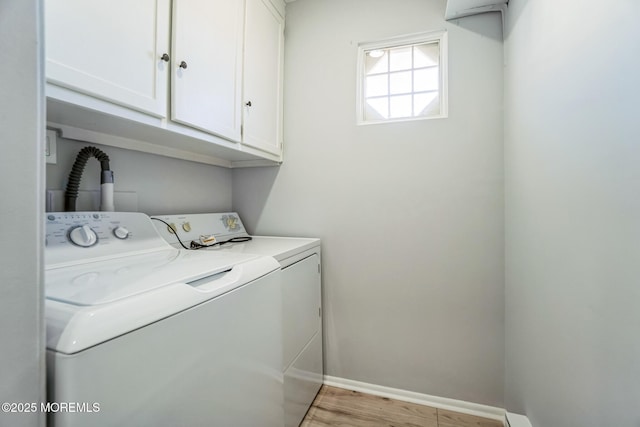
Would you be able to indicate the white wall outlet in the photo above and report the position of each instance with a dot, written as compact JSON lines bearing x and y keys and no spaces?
{"x":51,"y":147}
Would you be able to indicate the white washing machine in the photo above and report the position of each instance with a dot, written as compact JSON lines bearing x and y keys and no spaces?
{"x":300,"y":261}
{"x":140,"y":333}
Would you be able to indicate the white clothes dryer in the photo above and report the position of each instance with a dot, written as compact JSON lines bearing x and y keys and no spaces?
{"x":300,"y":261}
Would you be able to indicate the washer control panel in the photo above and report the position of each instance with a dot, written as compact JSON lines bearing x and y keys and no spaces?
{"x":82,"y":236}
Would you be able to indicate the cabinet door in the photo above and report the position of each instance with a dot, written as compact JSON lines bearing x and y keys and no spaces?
{"x":206,"y":89}
{"x":110,"y":50}
{"x":263,"y":55}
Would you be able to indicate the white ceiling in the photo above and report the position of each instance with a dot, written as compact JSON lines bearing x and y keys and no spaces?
{"x":462,"y":8}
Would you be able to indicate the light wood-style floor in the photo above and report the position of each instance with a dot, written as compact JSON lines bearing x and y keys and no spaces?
{"x":339,"y":407}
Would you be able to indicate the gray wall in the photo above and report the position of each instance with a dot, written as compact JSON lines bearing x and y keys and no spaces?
{"x":21,"y":226}
{"x":411,"y":214}
{"x":572,"y":159}
{"x":164,"y":185}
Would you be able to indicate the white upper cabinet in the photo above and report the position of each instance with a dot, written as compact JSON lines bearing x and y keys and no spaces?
{"x":206,"y":80}
{"x":169,"y":77}
{"x":110,"y":50}
{"x":263,"y":61}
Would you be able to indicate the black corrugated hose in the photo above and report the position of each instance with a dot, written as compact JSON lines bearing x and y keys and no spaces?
{"x":71,"y":194}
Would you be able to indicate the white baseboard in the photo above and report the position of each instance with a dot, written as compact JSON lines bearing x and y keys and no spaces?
{"x":419,"y":398}
{"x":515,"y":420}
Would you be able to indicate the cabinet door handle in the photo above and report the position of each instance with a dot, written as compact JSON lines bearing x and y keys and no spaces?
{"x":183,"y":65}
{"x":165,"y":57}
{"x":248,"y":104}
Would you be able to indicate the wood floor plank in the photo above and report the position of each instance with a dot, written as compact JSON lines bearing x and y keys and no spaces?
{"x":337,"y":398}
{"x":323,"y":417}
{"x":456,"y":419}
{"x":339,"y":407}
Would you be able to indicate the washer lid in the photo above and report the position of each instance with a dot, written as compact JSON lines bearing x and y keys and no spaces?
{"x":73,"y":328}
{"x":109,"y":281}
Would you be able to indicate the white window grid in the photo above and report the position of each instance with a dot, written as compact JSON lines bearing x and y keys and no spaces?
{"x":439,"y":37}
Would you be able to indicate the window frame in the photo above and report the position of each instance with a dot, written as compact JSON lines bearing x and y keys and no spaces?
{"x":404,"y":41}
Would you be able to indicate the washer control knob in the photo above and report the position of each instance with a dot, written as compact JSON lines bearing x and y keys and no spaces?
{"x":121,"y":232}
{"x":83,"y":236}
{"x":186,"y":227}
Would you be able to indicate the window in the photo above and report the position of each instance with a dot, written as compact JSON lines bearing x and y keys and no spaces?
{"x":402,"y":79}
